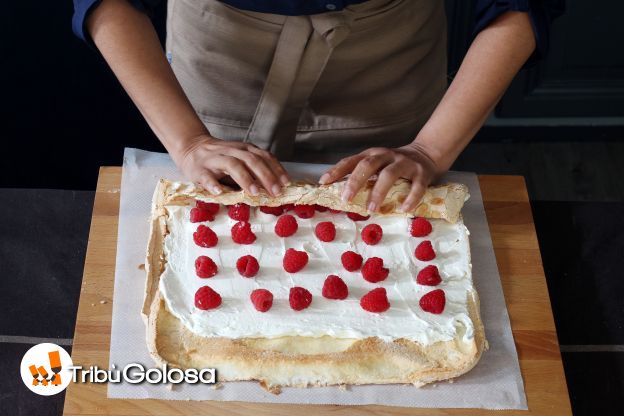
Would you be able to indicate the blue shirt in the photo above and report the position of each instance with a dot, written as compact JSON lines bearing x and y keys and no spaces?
{"x":541,"y":12}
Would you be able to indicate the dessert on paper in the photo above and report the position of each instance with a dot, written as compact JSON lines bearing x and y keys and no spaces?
{"x":305,"y":290}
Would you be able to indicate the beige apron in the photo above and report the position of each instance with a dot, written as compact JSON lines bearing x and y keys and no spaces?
{"x":368,"y":75}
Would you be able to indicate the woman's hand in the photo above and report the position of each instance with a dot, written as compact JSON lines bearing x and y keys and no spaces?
{"x":206,"y":160}
{"x":410,"y":162}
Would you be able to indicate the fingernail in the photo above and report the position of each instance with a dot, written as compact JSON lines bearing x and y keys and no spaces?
{"x":372,"y":207}
{"x":347,"y":195}
{"x":253,"y":189}
{"x":324,"y":178}
{"x":284,"y":180}
{"x":277,"y":190}
{"x":404,"y":208}
{"x":216,"y":190}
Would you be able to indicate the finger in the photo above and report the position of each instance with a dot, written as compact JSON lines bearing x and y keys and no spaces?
{"x":384,"y":182}
{"x":340,"y":169}
{"x":273,"y":164}
{"x":417,"y":191}
{"x":259,"y":168}
{"x":209,"y":182}
{"x":237,"y":170}
{"x":362,"y":172}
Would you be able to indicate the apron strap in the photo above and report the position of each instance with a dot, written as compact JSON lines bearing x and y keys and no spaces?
{"x":303,"y":49}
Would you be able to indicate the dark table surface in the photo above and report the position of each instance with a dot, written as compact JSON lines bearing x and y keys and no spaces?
{"x":43,"y":239}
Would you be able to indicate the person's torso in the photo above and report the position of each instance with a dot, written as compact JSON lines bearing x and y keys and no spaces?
{"x":292,"y":7}
{"x":366,"y":75}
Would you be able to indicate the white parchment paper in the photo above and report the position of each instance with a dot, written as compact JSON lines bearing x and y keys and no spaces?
{"x":495,"y":383}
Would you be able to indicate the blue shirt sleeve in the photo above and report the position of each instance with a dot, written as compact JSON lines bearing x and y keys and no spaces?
{"x":541,"y":13}
{"x":82,"y":8}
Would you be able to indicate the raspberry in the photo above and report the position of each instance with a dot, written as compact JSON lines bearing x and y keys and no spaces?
{"x":433,"y":302}
{"x":247,"y":266}
{"x":375,"y":301}
{"x":335,"y":211}
{"x":294,"y":260}
{"x":239,"y":212}
{"x":351,"y":260}
{"x":205,"y":237}
{"x":320,"y":208}
{"x":424,"y":251}
{"x":242,"y":234}
{"x":304,"y":211}
{"x":286,"y":226}
{"x":205,"y":267}
{"x":357,"y":217}
{"x":206,"y":298}
{"x":200,"y":215}
{"x":371,"y":234}
{"x":299,"y":298}
{"x":373,"y":270}
{"x":277,"y":211}
{"x":429,"y":276}
{"x":262,"y":299}
{"x":420,"y":227}
{"x":335,"y":288}
{"x":325,"y":231}
{"x":211,"y":207}
{"x":288,"y":207}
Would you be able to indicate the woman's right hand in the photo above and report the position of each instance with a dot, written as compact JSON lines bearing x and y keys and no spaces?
{"x":206,"y":160}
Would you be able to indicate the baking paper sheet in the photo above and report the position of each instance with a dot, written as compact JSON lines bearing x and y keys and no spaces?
{"x":495,"y":383}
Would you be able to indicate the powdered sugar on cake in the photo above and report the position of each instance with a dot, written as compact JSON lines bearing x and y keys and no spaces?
{"x":237,"y":317}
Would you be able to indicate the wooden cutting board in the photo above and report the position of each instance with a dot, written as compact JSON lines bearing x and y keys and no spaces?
{"x":524,"y":285}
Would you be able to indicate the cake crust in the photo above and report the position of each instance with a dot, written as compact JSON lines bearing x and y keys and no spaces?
{"x":300,"y":361}
{"x":443,"y":201}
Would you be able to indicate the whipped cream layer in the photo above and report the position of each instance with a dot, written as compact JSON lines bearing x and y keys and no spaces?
{"x":237,"y":318}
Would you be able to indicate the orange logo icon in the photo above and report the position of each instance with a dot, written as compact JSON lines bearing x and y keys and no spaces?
{"x":45,"y":369}
{"x":55,"y":366}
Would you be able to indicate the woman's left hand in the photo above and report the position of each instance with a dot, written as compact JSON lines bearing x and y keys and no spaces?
{"x":410,"y":162}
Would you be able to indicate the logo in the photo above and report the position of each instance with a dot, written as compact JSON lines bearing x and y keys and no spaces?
{"x":45,"y":369}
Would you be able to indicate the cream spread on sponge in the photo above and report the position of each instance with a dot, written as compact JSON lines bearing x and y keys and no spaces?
{"x":237,"y":318}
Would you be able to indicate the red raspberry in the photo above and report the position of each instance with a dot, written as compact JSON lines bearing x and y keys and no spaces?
{"x":205,"y":267}
{"x":304,"y":211}
{"x":211,"y":207}
{"x":420,"y":227}
{"x":277,"y":211}
{"x":286,"y":226}
{"x":429,"y":276}
{"x":320,"y":208}
{"x":335,"y":211}
{"x":247,"y":266}
{"x":239,"y":212}
{"x":242,"y":234}
{"x":294,"y":260}
{"x":206,"y":298}
{"x":375,"y":301}
{"x":200,"y":215}
{"x":288,"y":207}
{"x":371,"y":234}
{"x":205,"y":237}
{"x":424,"y":251}
{"x":335,"y":288}
{"x":299,"y":298}
{"x":351,"y":260}
{"x":262,"y":299}
{"x":373,"y":270}
{"x":325,"y":231}
{"x":433,"y":302}
{"x":357,"y":217}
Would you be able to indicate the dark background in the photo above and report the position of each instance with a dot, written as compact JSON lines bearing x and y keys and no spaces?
{"x":64,"y":114}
